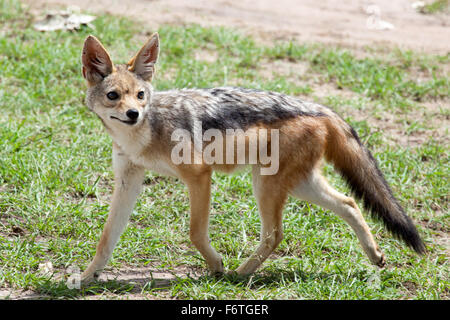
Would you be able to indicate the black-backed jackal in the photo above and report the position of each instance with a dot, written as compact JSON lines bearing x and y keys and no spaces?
{"x":146,"y":127}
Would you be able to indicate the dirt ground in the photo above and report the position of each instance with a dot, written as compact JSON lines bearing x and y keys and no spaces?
{"x":350,"y":23}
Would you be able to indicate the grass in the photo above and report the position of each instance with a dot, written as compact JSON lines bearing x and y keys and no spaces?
{"x":437,"y":6}
{"x":56,"y":179}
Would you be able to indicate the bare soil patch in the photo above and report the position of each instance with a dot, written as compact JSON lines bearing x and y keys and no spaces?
{"x":343,"y":23}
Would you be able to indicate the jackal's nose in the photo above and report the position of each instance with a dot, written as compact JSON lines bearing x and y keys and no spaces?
{"x":133,"y":114}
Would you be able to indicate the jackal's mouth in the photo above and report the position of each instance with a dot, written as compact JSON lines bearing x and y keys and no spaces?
{"x":130,"y":122}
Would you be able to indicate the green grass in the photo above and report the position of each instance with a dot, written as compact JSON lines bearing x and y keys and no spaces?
{"x":436,"y":6}
{"x":56,"y":179}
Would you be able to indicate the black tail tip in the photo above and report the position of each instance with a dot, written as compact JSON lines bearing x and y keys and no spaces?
{"x":419,"y":247}
{"x":413,"y":240}
{"x":406,"y":231}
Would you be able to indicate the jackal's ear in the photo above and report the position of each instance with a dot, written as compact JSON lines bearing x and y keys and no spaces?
{"x":96,"y":61}
{"x":143,"y":63}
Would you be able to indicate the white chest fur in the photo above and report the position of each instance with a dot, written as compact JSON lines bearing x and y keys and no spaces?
{"x":137,"y":153}
{"x":135,"y":145}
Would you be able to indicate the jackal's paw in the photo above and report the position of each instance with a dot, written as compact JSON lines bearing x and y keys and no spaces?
{"x":216,"y":274}
{"x":87,"y":278}
{"x":376,"y":256}
{"x":382,"y":262}
{"x":217,"y":268}
{"x":219,"y":272}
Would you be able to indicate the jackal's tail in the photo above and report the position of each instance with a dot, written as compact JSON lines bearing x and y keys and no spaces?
{"x":358,"y":167}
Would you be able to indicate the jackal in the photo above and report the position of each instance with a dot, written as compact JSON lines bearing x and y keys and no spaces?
{"x":143,"y":123}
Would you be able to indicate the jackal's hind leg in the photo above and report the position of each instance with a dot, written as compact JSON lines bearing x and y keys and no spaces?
{"x":315,"y":189}
{"x":270,"y":199}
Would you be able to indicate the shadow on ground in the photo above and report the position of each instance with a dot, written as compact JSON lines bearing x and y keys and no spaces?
{"x":141,"y":283}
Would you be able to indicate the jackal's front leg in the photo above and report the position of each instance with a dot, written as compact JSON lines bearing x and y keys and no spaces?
{"x":199,"y":196}
{"x":128,"y":184}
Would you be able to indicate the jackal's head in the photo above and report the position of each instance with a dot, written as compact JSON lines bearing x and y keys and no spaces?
{"x":119,"y":94}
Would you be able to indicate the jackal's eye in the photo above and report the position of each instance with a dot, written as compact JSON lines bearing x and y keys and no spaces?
{"x":140,"y":95}
{"x":112,"y":95}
